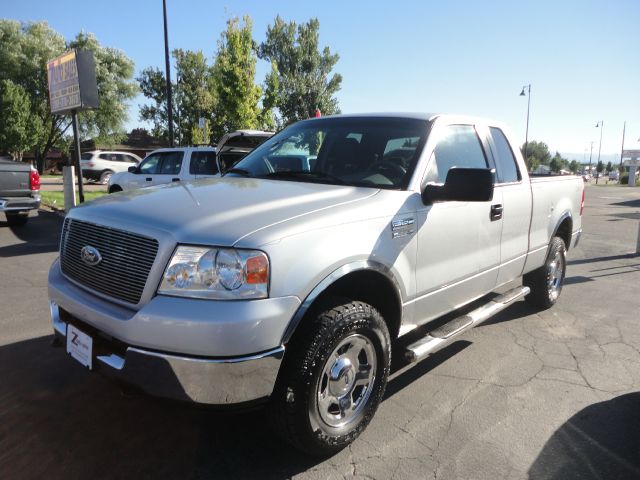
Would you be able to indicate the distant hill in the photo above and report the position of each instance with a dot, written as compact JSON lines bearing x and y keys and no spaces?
{"x":605,"y":157}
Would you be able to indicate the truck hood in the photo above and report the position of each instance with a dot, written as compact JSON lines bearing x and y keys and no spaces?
{"x":218,"y":211}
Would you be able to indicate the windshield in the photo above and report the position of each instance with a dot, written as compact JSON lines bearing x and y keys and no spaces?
{"x":366,"y":152}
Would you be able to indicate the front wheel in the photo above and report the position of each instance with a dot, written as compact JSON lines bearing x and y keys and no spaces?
{"x":105,"y":176}
{"x":333,"y":377}
{"x":546,"y":281}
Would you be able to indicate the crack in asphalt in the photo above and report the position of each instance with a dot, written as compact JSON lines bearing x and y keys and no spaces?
{"x":452,"y":413}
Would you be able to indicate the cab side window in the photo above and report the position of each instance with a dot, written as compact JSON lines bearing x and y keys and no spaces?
{"x":459,"y":147}
{"x":171,"y":163}
{"x":150,"y":164}
{"x":505,"y":160}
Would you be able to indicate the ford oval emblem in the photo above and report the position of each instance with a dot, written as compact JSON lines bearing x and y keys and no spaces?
{"x":90,"y":255}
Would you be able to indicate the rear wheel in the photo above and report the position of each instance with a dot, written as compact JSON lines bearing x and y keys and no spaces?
{"x":546,"y":281}
{"x":17,"y":219}
{"x":333,"y":377}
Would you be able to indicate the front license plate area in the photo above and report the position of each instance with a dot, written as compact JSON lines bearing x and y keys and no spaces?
{"x":79,"y":346}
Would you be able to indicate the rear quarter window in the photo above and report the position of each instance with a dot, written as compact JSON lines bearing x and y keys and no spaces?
{"x":203,"y":163}
{"x":507,"y":168}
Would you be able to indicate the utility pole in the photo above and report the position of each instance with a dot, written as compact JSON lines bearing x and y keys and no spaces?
{"x":168,"y":74}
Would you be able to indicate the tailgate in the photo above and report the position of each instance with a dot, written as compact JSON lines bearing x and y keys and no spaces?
{"x":14,"y":179}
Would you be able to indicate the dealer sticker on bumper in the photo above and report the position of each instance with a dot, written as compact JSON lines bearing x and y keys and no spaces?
{"x":79,"y":345}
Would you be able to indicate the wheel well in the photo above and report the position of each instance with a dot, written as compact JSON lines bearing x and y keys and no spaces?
{"x":564,"y":232}
{"x":115,"y":188}
{"x":373,"y":288}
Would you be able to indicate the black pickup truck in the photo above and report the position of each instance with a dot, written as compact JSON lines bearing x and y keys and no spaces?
{"x":19,"y":191}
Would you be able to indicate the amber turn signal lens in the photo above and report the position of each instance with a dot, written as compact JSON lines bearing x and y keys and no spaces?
{"x":257,"y":269}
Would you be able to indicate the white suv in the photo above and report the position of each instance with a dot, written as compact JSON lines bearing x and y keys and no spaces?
{"x":99,"y":165}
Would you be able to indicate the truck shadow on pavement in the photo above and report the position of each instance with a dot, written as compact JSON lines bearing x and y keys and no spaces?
{"x":600,"y":441}
{"x":59,"y":421}
{"x":41,"y":234}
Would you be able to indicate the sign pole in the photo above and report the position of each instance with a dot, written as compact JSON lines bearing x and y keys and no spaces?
{"x":76,"y":142}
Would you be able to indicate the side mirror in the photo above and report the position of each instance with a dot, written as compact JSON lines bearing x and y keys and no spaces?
{"x":461,"y":185}
{"x":132,"y":169}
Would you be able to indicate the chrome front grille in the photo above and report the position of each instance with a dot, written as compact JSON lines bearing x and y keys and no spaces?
{"x":126,"y":261}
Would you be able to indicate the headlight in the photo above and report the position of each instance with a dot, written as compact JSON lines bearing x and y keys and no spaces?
{"x":217,"y":273}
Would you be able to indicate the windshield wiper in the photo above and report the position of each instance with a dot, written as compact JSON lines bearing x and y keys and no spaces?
{"x":306,"y":176}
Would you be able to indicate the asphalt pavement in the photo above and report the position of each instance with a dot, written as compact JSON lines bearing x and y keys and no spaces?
{"x":532,"y":394}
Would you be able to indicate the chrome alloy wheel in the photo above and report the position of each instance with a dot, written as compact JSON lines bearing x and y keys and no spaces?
{"x":555,"y":275}
{"x":346,"y":382}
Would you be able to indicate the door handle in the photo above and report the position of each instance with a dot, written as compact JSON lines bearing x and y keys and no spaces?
{"x":496,"y":212}
{"x":148,"y":179}
{"x":175,"y":179}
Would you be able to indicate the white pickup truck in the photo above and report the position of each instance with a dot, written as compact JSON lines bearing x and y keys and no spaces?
{"x":289,"y":279}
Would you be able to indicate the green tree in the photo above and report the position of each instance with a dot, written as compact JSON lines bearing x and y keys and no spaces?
{"x":25,"y":49}
{"x":236,"y":96}
{"x":556,"y":163}
{"x":153,"y":86}
{"x":193,"y":95}
{"x":114,"y":77}
{"x":537,"y":154}
{"x":16,"y":132}
{"x":609,"y":167}
{"x":599,"y":169}
{"x":574,"y":166}
{"x":304,"y":81}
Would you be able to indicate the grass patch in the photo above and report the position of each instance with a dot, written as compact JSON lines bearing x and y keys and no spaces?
{"x":56,"y":199}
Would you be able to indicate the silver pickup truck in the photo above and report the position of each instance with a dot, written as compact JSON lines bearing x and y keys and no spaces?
{"x":19,"y":191}
{"x":290,"y":278}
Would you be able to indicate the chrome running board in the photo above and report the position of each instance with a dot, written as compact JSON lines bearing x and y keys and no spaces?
{"x":444,"y":335}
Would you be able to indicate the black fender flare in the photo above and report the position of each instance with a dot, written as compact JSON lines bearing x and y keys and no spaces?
{"x":566,"y":215}
{"x":329,"y":280}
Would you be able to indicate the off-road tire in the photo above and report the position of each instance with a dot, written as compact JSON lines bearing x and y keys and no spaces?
{"x":311,"y":349}
{"x":546,"y":282}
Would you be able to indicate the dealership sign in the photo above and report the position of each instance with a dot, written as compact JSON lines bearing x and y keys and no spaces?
{"x":633,"y":154}
{"x":72,"y":82}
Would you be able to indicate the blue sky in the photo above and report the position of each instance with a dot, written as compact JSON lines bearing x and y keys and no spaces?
{"x":582,"y":58}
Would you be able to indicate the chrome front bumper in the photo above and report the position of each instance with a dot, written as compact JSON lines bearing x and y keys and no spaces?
{"x":218,"y":381}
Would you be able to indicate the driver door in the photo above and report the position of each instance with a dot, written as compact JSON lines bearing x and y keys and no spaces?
{"x":458,"y":242}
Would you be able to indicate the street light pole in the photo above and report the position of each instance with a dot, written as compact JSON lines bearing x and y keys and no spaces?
{"x":624,"y":128}
{"x":526,"y":135}
{"x":600,"y":124}
{"x":168,"y":74}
